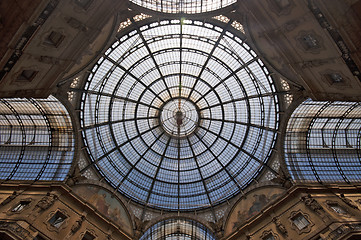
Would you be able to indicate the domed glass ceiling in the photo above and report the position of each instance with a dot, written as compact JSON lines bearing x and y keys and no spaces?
{"x":184,"y":6}
{"x":179,"y":114}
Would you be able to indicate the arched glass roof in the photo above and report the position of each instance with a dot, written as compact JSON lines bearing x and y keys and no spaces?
{"x":184,"y":6}
{"x":174,"y":229}
{"x":179,"y":115}
{"x":323,"y":142}
{"x":36,"y":139}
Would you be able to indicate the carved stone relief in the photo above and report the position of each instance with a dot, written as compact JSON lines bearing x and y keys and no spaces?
{"x":75,"y":227}
{"x":313,"y":205}
{"x":268,"y":233}
{"x":16,"y":229}
{"x":45,"y":203}
{"x":348,"y":201}
{"x":280,"y":227}
{"x":335,"y":79}
{"x":310,"y":42}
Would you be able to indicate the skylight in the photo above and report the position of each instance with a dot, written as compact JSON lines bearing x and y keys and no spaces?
{"x":174,"y":229}
{"x":184,"y":6}
{"x":179,"y":115}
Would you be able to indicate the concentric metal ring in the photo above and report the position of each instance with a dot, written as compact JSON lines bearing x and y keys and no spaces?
{"x":179,"y":117}
{"x":227,"y":117}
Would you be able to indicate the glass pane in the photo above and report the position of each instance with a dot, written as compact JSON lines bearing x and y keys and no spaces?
{"x":183,"y":6}
{"x":184,"y":119}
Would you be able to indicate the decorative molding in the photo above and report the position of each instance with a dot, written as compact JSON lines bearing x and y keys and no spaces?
{"x":27,"y":35}
{"x":83,"y":4}
{"x":348,"y":201}
{"x":307,"y":228}
{"x":313,"y":205}
{"x":315,"y":63}
{"x":90,"y":231}
{"x":335,"y":79}
{"x":53,"y":38}
{"x":280,"y":227}
{"x":75,"y":227}
{"x":11,"y":212}
{"x":16,"y":229}
{"x":25,"y":75}
{"x":65,"y":223}
{"x":343,"y":230}
{"x":9,"y":198}
{"x":45,"y":202}
{"x":330,"y":203}
{"x":310,"y":42}
{"x":335,"y":35}
{"x":266,"y":233}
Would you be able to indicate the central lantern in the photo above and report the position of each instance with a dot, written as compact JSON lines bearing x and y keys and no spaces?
{"x":179,"y":115}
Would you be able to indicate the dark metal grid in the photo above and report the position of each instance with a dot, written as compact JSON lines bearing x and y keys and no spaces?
{"x":37,"y":141}
{"x":178,"y":229}
{"x":184,"y":6}
{"x":322,"y":142}
{"x":205,"y":65}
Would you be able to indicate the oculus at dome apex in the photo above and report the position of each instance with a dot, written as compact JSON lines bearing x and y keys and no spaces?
{"x":171,"y":124}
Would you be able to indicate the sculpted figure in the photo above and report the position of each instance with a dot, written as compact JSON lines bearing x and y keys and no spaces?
{"x":280,"y":226}
{"x":46,"y":202}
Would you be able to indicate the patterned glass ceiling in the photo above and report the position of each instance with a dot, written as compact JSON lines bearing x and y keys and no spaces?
{"x":179,"y":114}
{"x":184,"y":6}
{"x":178,"y":229}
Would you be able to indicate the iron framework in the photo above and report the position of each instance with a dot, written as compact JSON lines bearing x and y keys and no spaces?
{"x":182,"y":229}
{"x":179,"y":114}
{"x":36,"y":139}
{"x":323,"y":142}
{"x":184,"y":6}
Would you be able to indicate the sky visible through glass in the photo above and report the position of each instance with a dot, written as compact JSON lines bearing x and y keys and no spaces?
{"x":184,"y":6}
{"x":179,"y":114}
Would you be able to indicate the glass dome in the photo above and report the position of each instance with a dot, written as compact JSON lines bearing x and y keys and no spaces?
{"x":184,"y":6}
{"x":179,"y":115}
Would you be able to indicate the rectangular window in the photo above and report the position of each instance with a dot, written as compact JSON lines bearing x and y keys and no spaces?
{"x":337,"y":208}
{"x":27,"y":75}
{"x":21,"y":206}
{"x":39,"y":237}
{"x":57,"y":220}
{"x":88,"y":236}
{"x":54,"y":39}
{"x":300,"y":221}
{"x":269,"y":237}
